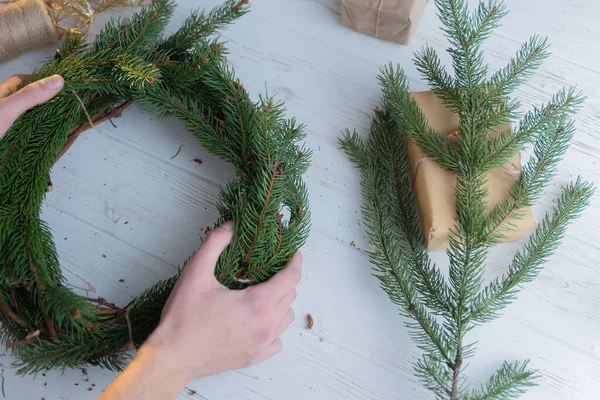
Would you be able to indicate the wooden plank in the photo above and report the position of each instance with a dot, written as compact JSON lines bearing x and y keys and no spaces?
{"x":326,"y":74}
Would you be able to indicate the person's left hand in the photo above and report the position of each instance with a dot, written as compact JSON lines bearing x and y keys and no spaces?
{"x":13,"y":104}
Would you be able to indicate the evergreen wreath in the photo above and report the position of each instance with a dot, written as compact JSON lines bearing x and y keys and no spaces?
{"x":184,"y":76}
{"x":442,"y":308}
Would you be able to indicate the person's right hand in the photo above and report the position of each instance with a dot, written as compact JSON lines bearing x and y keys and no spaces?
{"x":13,"y":104}
{"x":207,"y":328}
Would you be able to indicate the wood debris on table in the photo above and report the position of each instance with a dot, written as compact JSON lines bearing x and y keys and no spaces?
{"x":309,"y":322}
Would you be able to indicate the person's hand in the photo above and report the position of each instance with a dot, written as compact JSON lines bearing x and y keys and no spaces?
{"x":14,"y":103}
{"x":207,"y":328}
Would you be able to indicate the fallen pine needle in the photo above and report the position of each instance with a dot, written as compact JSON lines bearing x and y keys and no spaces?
{"x":176,"y":154}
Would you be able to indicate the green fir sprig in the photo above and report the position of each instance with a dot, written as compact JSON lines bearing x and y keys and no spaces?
{"x":441,"y":311}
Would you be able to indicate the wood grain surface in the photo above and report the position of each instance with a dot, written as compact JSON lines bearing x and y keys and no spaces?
{"x":118,"y":193}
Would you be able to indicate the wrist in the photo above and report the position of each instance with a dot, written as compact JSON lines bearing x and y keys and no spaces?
{"x":158,"y":353}
{"x":150,"y":375}
{"x":173,"y":353}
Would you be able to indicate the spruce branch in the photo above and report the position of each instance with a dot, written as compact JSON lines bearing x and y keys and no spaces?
{"x":428,"y":63}
{"x":549,"y":150}
{"x":352,"y":144}
{"x":397,"y":98}
{"x":527,"y":263}
{"x":529,"y":58}
{"x":467,"y":58}
{"x":441,"y":311}
{"x":434,"y":375}
{"x":510,"y":381}
{"x":104,"y":115}
{"x":400,"y":204}
{"x":389,"y":254}
{"x":563,"y":104}
{"x":394,"y":279}
{"x":485,"y":19}
{"x":201,"y":25}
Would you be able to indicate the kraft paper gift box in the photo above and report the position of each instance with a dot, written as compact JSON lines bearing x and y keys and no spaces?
{"x":391,"y":20}
{"x":435,"y":186}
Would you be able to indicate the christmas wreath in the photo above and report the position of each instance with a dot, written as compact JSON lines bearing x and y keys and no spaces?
{"x":184,"y":76}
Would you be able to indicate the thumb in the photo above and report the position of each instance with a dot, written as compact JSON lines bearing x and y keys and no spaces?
{"x":35,"y":93}
{"x":203,"y":263}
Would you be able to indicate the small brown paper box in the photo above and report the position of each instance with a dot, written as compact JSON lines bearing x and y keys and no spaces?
{"x":392,"y":20}
{"x":435,"y":186}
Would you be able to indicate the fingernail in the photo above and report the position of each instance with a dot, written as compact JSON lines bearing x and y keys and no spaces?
{"x":228,"y":225}
{"x":53,"y":82}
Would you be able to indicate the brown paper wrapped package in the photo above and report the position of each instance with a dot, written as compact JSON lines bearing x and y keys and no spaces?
{"x":435,"y":186}
{"x":392,"y":20}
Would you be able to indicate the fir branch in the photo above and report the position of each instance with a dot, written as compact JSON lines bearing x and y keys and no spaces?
{"x":529,"y":58}
{"x":441,"y":82}
{"x":539,"y":170}
{"x":354,"y":147}
{"x":485,"y":19}
{"x":394,"y":278}
{"x":509,"y":382}
{"x":199,"y":26}
{"x":406,"y":111}
{"x":467,"y":58}
{"x":275,"y":168}
{"x":435,"y":376}
{"x":527,"y":263}
{"x":12,"y":315}
{"x":390,"y":261}
{"x":564,"y":103}
{"x":465,"y":256}
{"x":484,"y":141}
{"x":399,"y":203}
{"x":73,"y":44}
{"x":537,"y":173}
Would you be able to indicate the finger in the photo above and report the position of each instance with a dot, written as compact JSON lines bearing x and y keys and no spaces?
{"x":35,"y":93}
{"x":283,"y":281}
{"x":286,"y":321}
{"x":275,"y":347}
{"x":10,"y":85}
{"x":202,"y":265}
{"x":282,"y":307}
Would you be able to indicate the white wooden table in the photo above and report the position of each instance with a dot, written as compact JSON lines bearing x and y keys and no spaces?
{"x":358,"y":348}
